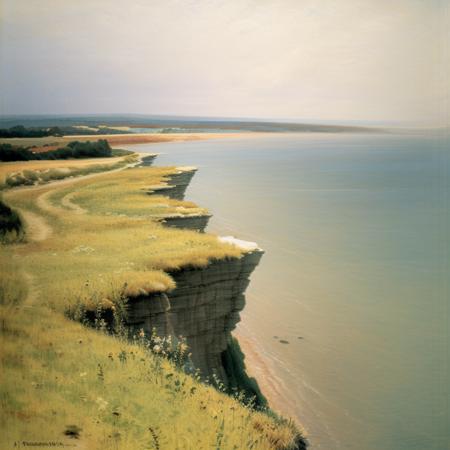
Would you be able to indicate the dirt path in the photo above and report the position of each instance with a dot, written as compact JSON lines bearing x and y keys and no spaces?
{"x":33,"y":291}
{"x":67,"y":202}
{"x":44,"y":203}
{"x":37,"y":227}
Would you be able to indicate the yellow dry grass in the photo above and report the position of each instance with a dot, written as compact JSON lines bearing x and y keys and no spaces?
{"x":127,"y":193}
{"x":9,"y":168}
{"x":113,"y":238}
{"x":60,"y":378}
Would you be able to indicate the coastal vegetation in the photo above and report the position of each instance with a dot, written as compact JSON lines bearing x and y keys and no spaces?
{"x":112,"y":206}
{"x":63,"y":382}
{"x":89,"y":245}
{"x":131,"y":192}
{"x":11,"y":227}
{"x":20,"y":131}
{"x":15,"y":174}
{"x":73,"y":150}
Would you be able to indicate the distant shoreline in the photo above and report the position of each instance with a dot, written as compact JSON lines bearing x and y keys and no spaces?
{"x":123,"y":139}
{"x":148,"y":138}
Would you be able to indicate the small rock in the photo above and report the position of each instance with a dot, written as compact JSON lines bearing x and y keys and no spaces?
{"x":72,"y":431}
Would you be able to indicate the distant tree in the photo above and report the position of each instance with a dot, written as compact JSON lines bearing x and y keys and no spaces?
{"x":11,"y":153}
{"x":19,"y":131}
{"x":73,"y":150}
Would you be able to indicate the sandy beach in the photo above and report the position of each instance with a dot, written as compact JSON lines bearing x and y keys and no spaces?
{"x":52,"y":142}
{"x":260,"y":368}
{"x":147,"y":138}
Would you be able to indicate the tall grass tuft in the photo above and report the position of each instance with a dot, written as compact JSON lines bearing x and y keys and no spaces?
{"x":13,"y":287}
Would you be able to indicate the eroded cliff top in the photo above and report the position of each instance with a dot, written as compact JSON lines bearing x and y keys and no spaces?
{"x":247,"y":246}
{"x":105,"y":232}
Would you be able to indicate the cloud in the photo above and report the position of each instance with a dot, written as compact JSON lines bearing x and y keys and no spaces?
{"x":331,"y":60}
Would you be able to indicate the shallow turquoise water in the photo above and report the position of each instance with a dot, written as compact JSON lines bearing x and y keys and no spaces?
{"x":356,"y":231}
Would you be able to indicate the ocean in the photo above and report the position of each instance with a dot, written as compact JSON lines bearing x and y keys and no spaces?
{"x":348,"y":309}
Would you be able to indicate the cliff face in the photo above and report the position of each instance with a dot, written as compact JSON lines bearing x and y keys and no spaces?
{"x":175,"y":187}
{"x":176,"y":184}
{"x":193,"y":222}
{"x":204,"y":308}
{"x":147,"y":160}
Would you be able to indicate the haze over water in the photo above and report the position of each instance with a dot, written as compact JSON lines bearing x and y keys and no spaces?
{"x":355,"y":275}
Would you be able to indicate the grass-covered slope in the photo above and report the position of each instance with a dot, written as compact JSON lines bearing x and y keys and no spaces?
{"x":90,"y":241}
{"x":127,"y":193}
{"x":105,"y":234}
{"x":62,"y":382}
{"x":26,"y":173}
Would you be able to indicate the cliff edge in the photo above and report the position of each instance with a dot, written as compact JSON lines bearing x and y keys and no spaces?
{"x":204,"y":307}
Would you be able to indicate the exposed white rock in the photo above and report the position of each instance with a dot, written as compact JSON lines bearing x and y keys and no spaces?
{"x":187,"y":169}
{"x":245,"y":245}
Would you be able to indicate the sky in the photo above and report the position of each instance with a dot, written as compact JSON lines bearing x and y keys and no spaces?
{"x":328,"y":60}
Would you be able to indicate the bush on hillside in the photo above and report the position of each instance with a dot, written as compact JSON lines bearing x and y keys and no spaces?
{"x":10,"y":224}
{"x":73,"y":150}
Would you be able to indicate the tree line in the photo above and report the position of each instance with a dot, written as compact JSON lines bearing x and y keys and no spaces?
{"x":73,"y":150}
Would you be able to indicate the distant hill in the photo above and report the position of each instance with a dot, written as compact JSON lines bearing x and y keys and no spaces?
{"x":174,"y":124}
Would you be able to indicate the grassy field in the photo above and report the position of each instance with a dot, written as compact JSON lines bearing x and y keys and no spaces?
{"x":93,"y":241}
{"x":105,"y":233}
{"x":65,"y":383}
{"x":126,"y":193}
{"x":30,"y":172}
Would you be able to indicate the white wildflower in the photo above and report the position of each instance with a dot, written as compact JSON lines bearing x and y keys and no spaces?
{"x":102,"y":403}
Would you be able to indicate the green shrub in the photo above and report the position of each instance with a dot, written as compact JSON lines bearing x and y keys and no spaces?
{"x":10,"y":224}
{"x":98,"y":149}
{"x":73,"y":150}
{"x":9,"y":153}
{"x":19,"y":131}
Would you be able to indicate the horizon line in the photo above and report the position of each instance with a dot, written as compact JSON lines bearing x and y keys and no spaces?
{"x":299,"y":121}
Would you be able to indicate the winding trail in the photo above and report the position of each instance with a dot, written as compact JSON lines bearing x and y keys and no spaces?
{"x":38,"y":228}
{"x":67,"y":202}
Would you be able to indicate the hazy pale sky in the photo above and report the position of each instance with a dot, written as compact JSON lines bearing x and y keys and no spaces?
{"x":335,"y":60}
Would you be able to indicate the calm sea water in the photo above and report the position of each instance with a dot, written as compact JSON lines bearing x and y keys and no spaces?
{"x":355,"y":277}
